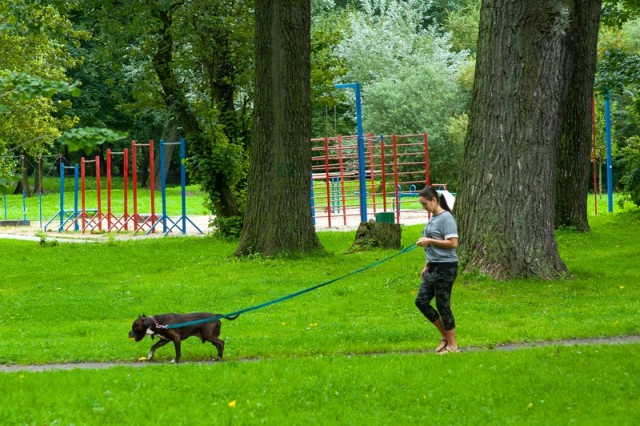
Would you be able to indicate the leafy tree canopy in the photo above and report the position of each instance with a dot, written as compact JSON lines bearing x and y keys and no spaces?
{"x":411,"y":76}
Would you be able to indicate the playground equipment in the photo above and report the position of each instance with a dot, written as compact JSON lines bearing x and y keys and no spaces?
{"x":63,"y":215}
{"x":181,"y":223}
{"x":95,"y":219}
{"x":5,"y":199}
{"x":392,"y":171}
{"x":14,"y":222}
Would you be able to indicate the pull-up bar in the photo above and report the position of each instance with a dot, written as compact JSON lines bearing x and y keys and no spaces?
{"x":180,"y":224}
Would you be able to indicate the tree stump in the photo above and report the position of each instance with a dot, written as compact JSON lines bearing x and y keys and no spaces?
{"x":377,"y":235}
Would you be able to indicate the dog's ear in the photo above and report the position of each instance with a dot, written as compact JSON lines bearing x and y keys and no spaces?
{"x":143,"y":315}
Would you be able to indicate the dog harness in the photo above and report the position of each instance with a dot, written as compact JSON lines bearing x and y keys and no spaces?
{"x":156,"y":324}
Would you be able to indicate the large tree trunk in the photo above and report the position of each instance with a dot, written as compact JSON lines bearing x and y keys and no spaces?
{"x":574,"y":160}
{"x":278,"y":215}
{"x":506,"y":198}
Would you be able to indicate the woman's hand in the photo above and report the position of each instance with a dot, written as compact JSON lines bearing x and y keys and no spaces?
{"x":423,"y":241}
{"x":424,"y":272}
{"x":449,"y":244}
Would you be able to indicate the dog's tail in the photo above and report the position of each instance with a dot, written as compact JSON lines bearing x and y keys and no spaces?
{"x":232,"y":318}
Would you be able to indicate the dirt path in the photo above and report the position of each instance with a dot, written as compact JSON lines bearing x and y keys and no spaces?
{"x":613,"y":340}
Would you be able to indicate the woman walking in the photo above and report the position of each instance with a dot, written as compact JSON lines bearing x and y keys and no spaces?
{"x":440,"y":240}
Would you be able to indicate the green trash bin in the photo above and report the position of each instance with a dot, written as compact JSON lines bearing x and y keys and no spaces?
{"x":387,"y":217}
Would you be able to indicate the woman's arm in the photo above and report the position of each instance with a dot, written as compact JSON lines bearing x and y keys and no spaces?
{"x":450,"y":244}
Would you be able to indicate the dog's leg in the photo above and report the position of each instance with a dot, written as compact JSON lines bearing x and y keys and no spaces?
{"x":176,"y":344}
{"x":157,"y":345}
{"x":219,"y":344}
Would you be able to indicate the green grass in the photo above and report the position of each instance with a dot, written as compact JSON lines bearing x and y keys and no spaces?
{"x":194,"y":201}
{"x":307,"y":360}
{"x":537,"y":386}
{"x":13,"y":208}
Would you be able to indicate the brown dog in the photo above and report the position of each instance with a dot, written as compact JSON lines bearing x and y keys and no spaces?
{"x":155,"y":327}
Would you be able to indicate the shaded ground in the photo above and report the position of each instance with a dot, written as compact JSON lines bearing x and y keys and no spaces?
{"x":614,"y":340}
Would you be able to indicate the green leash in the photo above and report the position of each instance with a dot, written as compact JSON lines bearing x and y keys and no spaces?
{"x":235,"y":314}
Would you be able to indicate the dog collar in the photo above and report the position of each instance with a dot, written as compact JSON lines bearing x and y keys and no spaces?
{"x":156,"y":324}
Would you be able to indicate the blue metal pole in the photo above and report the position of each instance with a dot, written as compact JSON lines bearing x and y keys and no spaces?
{"x":183,"y":183}
{"x":607,"y":116}
{"x":361,"y":160}
{"x":163,"y":186}
{"x":313,"y":204}
{"x":61,"y":196}
{"x":76,"y":184}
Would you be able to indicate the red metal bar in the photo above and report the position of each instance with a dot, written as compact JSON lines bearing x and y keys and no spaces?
{"x":152,"y":186}
{"x":327,"y":180}
{"x":372,"y":172}
{"x":109,"y":211}
{"x":99,"y":194}
{"x":126,"y":188}
{"x":395,"y":176}
{"x":83,"y":214}
{"x":384,"y":174}
{"x":344,"y":207}
{"x":134,"y":184}
{"x":426,"y":159}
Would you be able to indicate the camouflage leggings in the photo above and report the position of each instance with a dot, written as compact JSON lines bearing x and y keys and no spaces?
{"x":438,"y":283}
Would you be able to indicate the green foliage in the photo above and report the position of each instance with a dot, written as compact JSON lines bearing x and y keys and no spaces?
{"x":88,"y":138}
{"x":33,"y":48}
{"x":631,"y":169}
{"x":20,"y":85}
{"x":618,"y":72}
{"x":411,"y":78}
{"x":462,"y":23}
{"x":228,"y":227}
{"x":206,"y":49}
{"x":326,"y":66}
{"x":616,"y":12}
{"x":213,"y":157}
{"x":618,"y":69}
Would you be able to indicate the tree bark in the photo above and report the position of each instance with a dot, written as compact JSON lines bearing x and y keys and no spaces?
{"x":23,"y":183}
{"x":377,"y":235}
{"x":506,"y":201}
{"x":574,"y":160}
{"x":278,"y":214}
{"x":37,"y":184}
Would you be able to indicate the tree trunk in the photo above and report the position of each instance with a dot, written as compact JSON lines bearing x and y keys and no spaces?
{"x":506,"y":198}
{"x":23,"y":184}
{"x":278,"y":215}
{"x":574,"y":159}
{"x":377,"y":235}
{"x":37,"y":184}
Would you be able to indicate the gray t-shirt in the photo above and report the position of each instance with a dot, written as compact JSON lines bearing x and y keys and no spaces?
{"x":441,"y":227}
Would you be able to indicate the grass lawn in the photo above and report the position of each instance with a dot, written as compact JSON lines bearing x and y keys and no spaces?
{"x":12,"y":206}
{"x":354,"y":352}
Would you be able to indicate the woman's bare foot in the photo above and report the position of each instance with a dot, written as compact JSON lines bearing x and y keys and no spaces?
{"x":442,"y":346}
